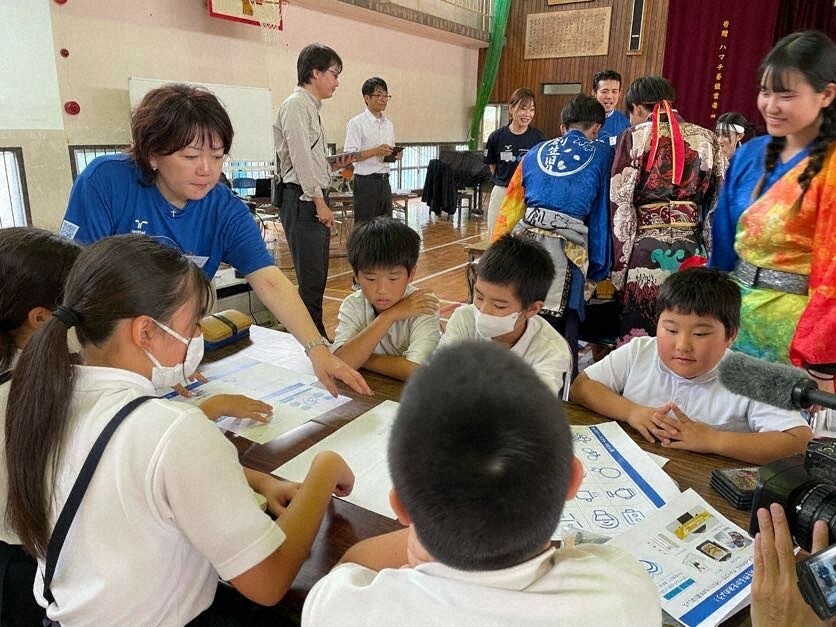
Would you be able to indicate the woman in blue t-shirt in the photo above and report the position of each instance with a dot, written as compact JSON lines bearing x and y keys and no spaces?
{"x":506,"y":147}
{"x":166,"y":186}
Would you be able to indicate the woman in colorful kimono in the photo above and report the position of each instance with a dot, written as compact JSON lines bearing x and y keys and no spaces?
{"x":775,"y":225}
{"x":665,"y":179}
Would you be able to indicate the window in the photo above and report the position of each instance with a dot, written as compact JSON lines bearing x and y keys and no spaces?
{"x":410,"y":172}
{"x":81,"y":156}
{"x":495,"y":116}
{"x":14,"y":199}
{"x":636,"y":27}
{"x":242,"y":175}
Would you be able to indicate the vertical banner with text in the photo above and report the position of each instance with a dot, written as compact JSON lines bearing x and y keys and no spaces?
{"x":712,"y":53}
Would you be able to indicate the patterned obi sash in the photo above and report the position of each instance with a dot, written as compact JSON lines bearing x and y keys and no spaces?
{"x":565,"y":239}
{"x":676,"y":214}
{"x":788,"y":282}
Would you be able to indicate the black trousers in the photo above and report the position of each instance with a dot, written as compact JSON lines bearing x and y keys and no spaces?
{"x":372,"y":197}
{"x":308,"y":240}
{"x":567,"y":325}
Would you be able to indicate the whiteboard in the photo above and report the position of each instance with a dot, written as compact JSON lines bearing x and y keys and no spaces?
{"x":249,"y":108}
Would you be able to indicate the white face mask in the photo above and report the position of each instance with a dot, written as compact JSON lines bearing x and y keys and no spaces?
{"x":169,"y":376}
{"x":493,"y":326}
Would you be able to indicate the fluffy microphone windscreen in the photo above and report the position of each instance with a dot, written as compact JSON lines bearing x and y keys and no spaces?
{"x":760,"y":380}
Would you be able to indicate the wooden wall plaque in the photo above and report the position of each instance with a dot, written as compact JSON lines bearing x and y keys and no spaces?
{"x":574,"y":33}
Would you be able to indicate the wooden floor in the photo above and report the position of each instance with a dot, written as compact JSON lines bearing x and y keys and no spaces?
{"x":441,"y":264}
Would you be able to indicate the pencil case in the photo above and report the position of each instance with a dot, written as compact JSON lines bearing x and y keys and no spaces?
{"x":225,"y":327}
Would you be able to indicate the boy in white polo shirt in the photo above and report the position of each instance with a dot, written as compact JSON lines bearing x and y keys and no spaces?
{"x":389,"y":326}
{"x":512,"y":280}
{"x":481,"y":463}
{"x":666,"y":387}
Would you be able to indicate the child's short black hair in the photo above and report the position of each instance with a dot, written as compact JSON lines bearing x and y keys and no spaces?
{"x":521,"y":263}
{"x":582,"y":111}
{"x":383,"y":243}
{"x":702,"y":291}
{"x":480,"y":457}
{"x":647,"y":91}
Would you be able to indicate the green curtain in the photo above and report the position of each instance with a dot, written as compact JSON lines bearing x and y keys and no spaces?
{"x":501,"y":9}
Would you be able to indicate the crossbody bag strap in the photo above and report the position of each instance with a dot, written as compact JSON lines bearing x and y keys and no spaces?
{"x":68,"y":512}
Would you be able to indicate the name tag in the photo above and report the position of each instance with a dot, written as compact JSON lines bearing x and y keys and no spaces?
{"x":613,"y":140}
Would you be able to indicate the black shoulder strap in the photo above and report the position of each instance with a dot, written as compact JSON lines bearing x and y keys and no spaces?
{"x":62,"y":527}
{"x":233,"y":327}
{"x":5,"y":376}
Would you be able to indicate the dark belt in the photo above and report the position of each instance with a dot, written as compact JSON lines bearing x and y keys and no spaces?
{"x":374,"y":175}
{"x":325,"y":192}
{"x":788,"y":282}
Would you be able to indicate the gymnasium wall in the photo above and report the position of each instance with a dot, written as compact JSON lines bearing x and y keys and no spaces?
{"x":433,"y":82}
{"x":515,"y":71}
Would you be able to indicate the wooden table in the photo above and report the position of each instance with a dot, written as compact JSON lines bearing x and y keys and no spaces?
{"x":475,"y":250}
{"x":342,"y":202}
{"x":344,"y":523}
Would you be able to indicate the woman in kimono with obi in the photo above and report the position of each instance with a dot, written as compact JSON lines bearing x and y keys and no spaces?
{"x":775,"y":225}
{"x":665,"y":178}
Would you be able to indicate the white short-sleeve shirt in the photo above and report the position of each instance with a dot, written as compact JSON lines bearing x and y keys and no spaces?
{"x":413,"y":339}
{"x":540,"y":346}
{"x":168,"y":510}
{"x":365,"y":131}
{"x":589,"y":585}
{"x":636,"y":372}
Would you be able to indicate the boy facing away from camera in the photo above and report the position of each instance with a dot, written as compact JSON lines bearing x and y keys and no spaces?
{"x":481,"y":463}
{"x":512,"y":280}
{"x":388,"y":326}
{"x":667,"y":388}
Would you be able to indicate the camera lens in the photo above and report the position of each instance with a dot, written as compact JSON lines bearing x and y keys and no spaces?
{"x":817,"y":503}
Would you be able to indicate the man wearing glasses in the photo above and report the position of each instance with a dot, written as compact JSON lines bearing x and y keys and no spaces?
{"x":373,"y":136}
{"x":305,"y":172}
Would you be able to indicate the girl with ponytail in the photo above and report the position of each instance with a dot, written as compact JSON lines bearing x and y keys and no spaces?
{"x":168,"y":510}
{"x":775,"y":224}
{"x":33,"y":265}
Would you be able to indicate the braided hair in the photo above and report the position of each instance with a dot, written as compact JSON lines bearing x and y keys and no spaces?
{"x":812,"y":54}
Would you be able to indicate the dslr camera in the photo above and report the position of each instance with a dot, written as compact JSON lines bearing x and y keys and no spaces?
{"x":805,"y":485}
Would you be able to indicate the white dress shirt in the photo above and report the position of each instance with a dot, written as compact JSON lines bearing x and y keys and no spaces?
{"x":365,"y":131}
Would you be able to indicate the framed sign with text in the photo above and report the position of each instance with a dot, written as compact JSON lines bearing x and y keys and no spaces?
{"x":574,"y":33}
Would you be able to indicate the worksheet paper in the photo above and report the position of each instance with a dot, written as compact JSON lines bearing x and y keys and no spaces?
{"x":622,"y":485}
{"x":700,"y":561}
{"x":277,"y":348}
{"x":363,"y":444}
{"x":293,"y":395}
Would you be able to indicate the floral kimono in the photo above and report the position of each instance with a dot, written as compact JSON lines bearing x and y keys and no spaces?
{"x":665,"y":179}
